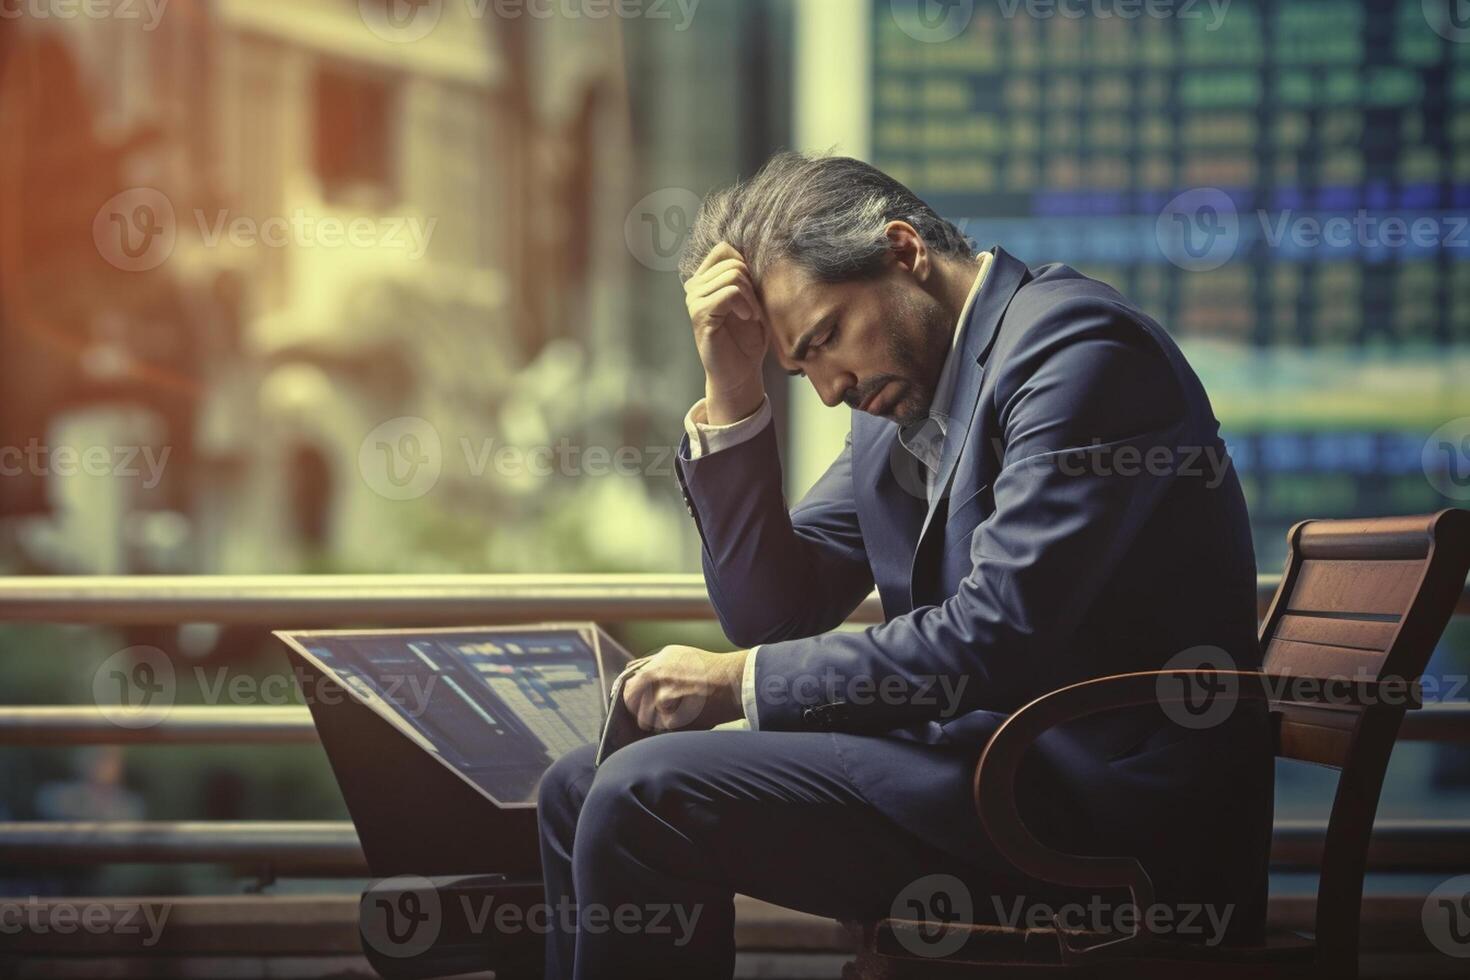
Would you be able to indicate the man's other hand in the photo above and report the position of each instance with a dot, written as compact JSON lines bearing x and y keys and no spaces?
{"x":686,"y":688}
{"x":730,"y":333}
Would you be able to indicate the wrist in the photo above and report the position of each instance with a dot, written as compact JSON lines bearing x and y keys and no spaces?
{"x":735,"y":681}
{"x":724,"y":405}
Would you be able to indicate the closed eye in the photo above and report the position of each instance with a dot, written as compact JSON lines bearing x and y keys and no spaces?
{"x":805,"y":347}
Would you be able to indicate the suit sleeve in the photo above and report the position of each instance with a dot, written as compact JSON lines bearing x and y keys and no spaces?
{"x":774,"y":574}
{"x":1078,"y":386}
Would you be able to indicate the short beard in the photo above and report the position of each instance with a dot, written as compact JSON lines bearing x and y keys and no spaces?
{"x":919,"y":355}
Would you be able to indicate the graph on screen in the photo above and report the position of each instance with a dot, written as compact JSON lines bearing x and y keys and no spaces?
{"x":1283,"y":185}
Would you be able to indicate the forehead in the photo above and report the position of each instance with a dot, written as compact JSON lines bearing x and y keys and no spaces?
{"x":794,"y":302}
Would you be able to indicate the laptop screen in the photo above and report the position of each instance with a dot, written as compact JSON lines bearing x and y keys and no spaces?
{"x":499,"y":705}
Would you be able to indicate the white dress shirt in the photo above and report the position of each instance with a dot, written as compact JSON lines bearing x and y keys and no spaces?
{"x":924,"y":439}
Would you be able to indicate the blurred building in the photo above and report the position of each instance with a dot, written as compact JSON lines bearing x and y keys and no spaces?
{"x":489,"y":166}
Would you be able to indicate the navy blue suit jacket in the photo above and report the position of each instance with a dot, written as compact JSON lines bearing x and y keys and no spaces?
{"x":1089,"y":523}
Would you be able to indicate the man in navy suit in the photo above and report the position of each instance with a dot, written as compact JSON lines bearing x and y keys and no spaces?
{"x":1035,"y":484}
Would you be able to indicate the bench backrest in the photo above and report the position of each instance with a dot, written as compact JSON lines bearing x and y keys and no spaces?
{"x":1360,"y":601}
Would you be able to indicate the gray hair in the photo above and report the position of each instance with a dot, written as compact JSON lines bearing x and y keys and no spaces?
{"x":827,"y":214}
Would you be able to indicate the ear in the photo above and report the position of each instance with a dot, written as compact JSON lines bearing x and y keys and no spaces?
{"x":906,"y":248}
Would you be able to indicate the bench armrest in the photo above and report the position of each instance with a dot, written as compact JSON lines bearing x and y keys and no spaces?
{"x":995,"y":776}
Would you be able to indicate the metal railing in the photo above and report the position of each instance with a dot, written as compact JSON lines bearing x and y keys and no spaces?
{"x":200,"y":725}
{"x":331,"y":847}
{"x":299,"y":601}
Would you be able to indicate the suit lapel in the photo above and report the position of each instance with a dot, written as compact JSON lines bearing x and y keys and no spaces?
{"x":880,"y":462}
{"x":1005,"y":277}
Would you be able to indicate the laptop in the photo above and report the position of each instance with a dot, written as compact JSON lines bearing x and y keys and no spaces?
{"x":439,"y":737}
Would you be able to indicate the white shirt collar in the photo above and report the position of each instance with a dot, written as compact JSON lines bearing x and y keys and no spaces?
{"x":925,"y":438}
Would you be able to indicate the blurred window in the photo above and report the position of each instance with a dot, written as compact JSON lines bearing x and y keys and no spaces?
{"x":353,"y":148}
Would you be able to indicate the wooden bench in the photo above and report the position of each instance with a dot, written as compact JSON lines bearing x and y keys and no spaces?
{"x":1361,"y":605}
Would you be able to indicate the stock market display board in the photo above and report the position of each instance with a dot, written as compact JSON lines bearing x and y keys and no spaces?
{"x":1283,"y":184}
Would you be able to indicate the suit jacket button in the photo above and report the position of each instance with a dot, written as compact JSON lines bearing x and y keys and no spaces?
{"x":809,"y":717}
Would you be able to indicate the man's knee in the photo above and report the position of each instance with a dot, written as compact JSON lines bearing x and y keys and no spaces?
{"x":564,"y":786}
{"x":652,"y":781}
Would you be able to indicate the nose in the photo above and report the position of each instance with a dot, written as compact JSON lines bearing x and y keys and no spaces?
{"x":831,"y":390}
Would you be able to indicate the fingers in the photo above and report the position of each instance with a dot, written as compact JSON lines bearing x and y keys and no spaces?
{"x":667,"y":716}
{"x":714,"y":276}
{"x":638,"y":699}
{"x":732,"y":294}
{"x":721,"y":275}
{"x":648,"y":714}
{"x":671,"y":692}
{"x":697,"y":281}
{"x":724,"y":250}
{"x":733,"y":276}
{"x":648,"y":698}
{"x":726,"y":301}
{"x":641,"y":694}
{"x":710,"y":280}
